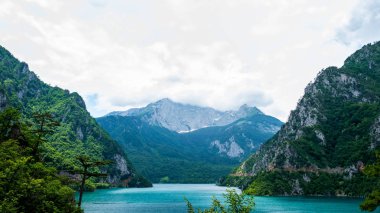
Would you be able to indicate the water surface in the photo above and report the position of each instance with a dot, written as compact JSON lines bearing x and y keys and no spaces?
{"x":169,"y":198}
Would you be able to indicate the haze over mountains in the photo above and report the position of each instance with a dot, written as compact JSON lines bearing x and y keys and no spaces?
{"x":166,"y":134}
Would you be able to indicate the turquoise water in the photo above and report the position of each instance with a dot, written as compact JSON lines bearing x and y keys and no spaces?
{"x":170,"y":198}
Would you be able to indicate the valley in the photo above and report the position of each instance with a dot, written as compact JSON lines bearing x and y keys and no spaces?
{"x":157,"y":138}
{"x":178,"y":106}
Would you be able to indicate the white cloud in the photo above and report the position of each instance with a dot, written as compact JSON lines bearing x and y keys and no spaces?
{"x":362,"y":26}
{"x":121,"y":54}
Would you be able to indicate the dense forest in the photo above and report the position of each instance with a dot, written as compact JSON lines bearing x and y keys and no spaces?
{"x":27,"y":184}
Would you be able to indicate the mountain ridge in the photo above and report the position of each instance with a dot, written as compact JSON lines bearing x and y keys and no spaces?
{"x":20,"y":88}
{"x":180,"y":117}
{"x":328,"y":139}
{"x":215,"y":150}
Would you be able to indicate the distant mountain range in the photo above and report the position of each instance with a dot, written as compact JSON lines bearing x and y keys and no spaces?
{"x":174,"y":142}
{"x":184,"y":117}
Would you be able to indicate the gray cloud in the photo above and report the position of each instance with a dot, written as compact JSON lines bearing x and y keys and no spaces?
{"x":256,"y":98}
{"x":363,"y":25}
{"x":210,"y":53}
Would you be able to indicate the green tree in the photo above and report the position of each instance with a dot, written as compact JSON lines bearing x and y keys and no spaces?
{"x":26,"y":184}
{"x":372,"y":201}
{"x":11,"y":125}
{"x":86,"y":172}
{"x":236,"y":203}
{"x":44,"y":125}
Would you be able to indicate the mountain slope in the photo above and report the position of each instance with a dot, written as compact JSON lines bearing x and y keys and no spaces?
{"x":184,"y":117}
{"x":78,"y":133}
{"x":238,"y":139}
{"x":161,"y":154}
{"x":199,"y":156}
{"x":328,"y":139}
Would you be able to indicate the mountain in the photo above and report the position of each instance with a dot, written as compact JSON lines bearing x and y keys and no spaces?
{"x":328,"y":139}
{"x":161,"y":155}
{"x":184,"y":117}
{"x":198,"y":156}
{"x":78,"y":133}
{"x":238,"y":139}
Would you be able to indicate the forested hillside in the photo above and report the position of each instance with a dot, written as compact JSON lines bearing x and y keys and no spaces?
{"x":329,"y":138}
{"x":200,"y":156}
{"x":77,"y":134}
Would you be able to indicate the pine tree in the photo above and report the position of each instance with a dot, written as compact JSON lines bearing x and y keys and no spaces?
{"x":87,"y":165}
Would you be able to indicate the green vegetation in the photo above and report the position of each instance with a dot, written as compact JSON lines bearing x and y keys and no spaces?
{"x":26,"y":183}
{"x":372,"y":200}
{"x":235,"y":204}
{"x":158,"y":152}
{"x":86,"y":172}
{"x":187,"y":157}
{"x":330,"y":137}
{"x":78,"y":133}
{"x":308,"y":183}
{"x":346,"y":129}
{"x":165,"y":179}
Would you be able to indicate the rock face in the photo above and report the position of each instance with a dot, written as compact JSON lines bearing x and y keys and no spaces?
{"x":334,"y":127}
{"x":185,"y":118}
{"x":238,"y":139}
{"x":230,"y":148}
{"x":78,"y":133}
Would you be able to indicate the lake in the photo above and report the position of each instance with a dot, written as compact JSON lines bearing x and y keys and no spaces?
{"x":170,"y":198}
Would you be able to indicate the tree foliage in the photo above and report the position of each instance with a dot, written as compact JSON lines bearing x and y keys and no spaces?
{"x":44,"y":125}
{"x":26,"y":184}
{"x":78,"y":133}
{"x":372,"y":201}
{"x":235,"y":203}
{"x":331,"y":134}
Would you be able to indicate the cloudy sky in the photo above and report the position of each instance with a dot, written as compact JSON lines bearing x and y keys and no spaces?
{"x":120,"y":54}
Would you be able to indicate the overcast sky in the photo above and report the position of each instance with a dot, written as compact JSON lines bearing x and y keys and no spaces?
{"x":120,"y":54}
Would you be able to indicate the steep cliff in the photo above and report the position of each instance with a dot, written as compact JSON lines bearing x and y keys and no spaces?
{"x":328,"y":139}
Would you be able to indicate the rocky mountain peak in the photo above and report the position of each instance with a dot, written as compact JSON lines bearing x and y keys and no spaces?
{"x":185,"y":117}
{"x":163,"y":101}
{"x":249,"y":110}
